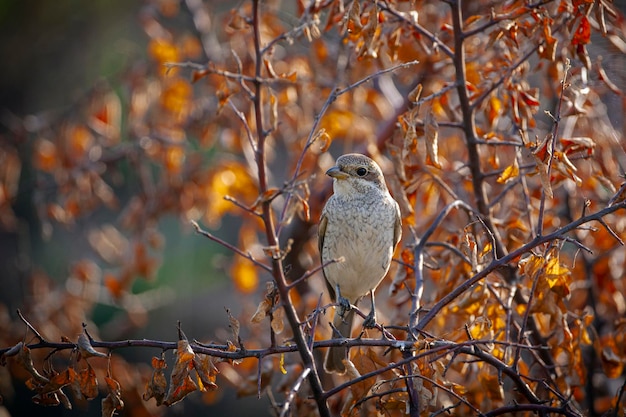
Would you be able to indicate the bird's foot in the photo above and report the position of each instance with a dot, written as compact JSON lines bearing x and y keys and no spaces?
{"x":370,"y":320}
{"x":344,"y":305}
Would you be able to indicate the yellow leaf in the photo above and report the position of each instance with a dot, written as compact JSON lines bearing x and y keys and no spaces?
{"x":510,"y":172}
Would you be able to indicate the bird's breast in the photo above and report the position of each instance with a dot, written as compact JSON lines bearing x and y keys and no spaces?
{"x":362,"y":233}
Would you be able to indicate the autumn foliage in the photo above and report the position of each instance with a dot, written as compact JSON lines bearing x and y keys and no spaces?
{"x":491,"y":123}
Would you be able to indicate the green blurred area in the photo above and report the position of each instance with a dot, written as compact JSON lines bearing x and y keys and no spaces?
{"x":51,"y":54}
{"x":52,"y":51}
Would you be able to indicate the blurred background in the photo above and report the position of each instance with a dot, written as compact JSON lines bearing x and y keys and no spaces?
{"x":53,"y":54}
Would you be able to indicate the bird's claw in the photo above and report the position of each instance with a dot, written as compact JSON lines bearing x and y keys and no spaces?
{"x":370,"y":320}
{"x":344,"y":305}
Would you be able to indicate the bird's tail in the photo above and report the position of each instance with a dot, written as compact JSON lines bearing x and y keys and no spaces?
{"x":336,"y":355}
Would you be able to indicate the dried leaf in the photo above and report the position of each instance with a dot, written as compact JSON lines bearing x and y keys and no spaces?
{"x":493,"y":110}
{"x":321,"y":135}
{"x":113,"y":401}
{"x":26,"y":361}
{"x":583,"y":32}
{"x":510,"y":172}
{"x":207,"y":372}
{"x":415,"y":94}
{"x":261,"y":312}
{"x":181,"y":382}
{"x":233,"y":323}
{"x":157,"y":385}
{"x":612,"y":364}
{"x":85,"y":348}
{"x":278,"y":323}
{"x":431,"y":132}
{"x":58,"y":381}
{"x":273,"y":111}
{"x":87,"y":382}
{"x":354,"y":18}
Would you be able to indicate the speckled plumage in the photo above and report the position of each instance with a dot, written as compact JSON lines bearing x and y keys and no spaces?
{"x":361,"y":223}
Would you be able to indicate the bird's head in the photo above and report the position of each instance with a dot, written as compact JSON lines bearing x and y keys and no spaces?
{"x":354,"y":171}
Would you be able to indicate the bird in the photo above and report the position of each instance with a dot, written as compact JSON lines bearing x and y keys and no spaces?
{"x":359,"y":229}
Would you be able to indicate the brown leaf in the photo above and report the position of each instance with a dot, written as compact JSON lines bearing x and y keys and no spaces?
{"x":233,"y":323}
{"x":261,"y":312}
{"x":181,"y":383}
{"x":88,"y":383}
{"x":157,"y":385}
{"x":26,"y":361}
{"x":113,"y":401}
{"x":278,"y":323}
{"x":58,"y":381}
{"x":431,"y":132}
{"x":354,"y":18}
{"x":207,"y":372}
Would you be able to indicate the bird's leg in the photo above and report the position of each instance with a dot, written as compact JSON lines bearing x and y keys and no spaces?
{"x":344,"y":303}
{"x":370,"y":320}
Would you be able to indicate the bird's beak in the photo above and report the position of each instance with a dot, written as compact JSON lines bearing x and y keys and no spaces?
{"x":335,"y":172}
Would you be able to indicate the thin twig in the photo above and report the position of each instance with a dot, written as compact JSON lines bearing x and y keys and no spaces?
{"x":30,"y":326}
{"x":419,"y":258}
{"x":227,"y":245}
{"x":293,"y":391}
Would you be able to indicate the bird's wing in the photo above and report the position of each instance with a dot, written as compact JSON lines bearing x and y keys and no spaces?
{"x":397,"y":227}
{"x":321,"y":232}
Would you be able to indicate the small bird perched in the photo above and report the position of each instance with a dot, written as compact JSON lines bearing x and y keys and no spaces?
{"x":360,"y":223}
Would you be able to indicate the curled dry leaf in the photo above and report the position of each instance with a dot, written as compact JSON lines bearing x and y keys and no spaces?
{"x":234,"y":325}
{"x":85,"y":348}
{"x":26,"y":361}
{"x":207,"y":372}
{"x":157,"y":385}
{"x":431,"y":132}
{"x":261,"y":312}
{"x":86,"y":383}
{"x":113,"y":402}
{"x":181,"y":383}
{"x":278,"y":323}
{"x":354,"y":18}
{"x":324,"y":137}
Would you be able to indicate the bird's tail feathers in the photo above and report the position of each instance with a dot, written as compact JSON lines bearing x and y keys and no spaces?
{"x":335,"y":356}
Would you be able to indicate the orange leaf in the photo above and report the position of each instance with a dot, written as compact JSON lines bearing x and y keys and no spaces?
{"x":87,"y":382}
{"x":207,"y":372}
{"x":354,"y":18}
{"x":583,"y":33}
{"x":58,"y":381}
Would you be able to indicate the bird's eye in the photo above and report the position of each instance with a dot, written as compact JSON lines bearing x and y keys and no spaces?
{"x":361,"y":172}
